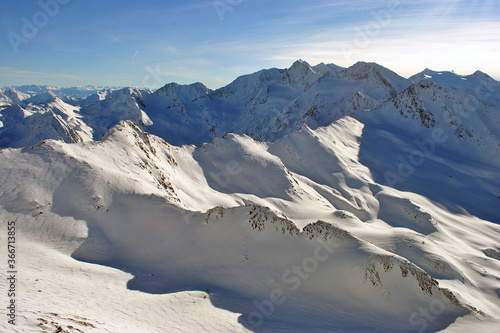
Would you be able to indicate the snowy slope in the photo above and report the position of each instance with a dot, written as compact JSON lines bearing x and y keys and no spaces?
{"x":126,"y":104}
{"x":269,"y":104}
{"x":98,"y":96}
{"x":463,"y":119}
{"x":478,"y":84}
{"x":45,"y":116}
{"x":41,"y":98}
{"x":28,"y":125}
{"x":374,"y":208}
{"x":149,"y":209}
{"x":10,"y":97}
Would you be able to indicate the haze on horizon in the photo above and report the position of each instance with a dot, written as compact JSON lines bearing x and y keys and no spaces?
{"x":129,"y":43}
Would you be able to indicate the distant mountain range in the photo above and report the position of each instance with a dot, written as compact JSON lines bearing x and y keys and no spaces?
{"x":265,"y":105}
{"x":75,"y":92}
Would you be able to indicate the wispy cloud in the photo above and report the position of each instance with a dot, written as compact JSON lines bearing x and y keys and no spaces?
{"x":185,"y":42}
{"x":200,"y":5}
{"x":15,"y":72}
{"x":112,"y":37}
{"x":135,"y":54}
{"x":401,"y":45}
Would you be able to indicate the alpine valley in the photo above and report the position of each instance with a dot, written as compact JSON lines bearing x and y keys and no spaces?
{"x":307,"y":199}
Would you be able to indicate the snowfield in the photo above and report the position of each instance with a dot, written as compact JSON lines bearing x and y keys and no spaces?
{"x":308,"y":199}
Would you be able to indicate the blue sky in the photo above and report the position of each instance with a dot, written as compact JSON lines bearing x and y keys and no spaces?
{"x":150,"y":43}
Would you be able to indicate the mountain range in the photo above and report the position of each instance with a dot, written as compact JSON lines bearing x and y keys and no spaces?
{"x":311,"y":198}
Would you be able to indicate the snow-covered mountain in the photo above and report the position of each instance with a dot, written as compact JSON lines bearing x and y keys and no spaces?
{"x":265,"y":105}
{"x":269,"y":104}
{"x":98,"y":96}
{"x":341,"y":199}
{"x":36,"y":94}
{"x":76,"y":92}
{"x":479,"y":84}
{"x":10,"y":97}
{"x":54,"y":119}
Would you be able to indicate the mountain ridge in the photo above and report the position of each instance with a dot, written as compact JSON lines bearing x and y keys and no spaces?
{"x":314,"y":198}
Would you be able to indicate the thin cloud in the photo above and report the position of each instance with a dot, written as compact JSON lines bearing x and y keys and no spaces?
{"x":453,"y":45}
{"x":261,"y":35}
{"x":135,"y":54}
{"x":112,"y":37}
{"x":13,"y":72}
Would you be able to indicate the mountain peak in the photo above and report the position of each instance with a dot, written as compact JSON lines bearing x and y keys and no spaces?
{"x":14,"y":95}
{"x":41,"y":98}
{"x":380,"y":79}
{"x":300,"y":74}
{"x":361,"y":70}
{"x":483,"y":76}
{"x":300,"y":62}
{"x":300,"y":66}
{"x":193,"y":90}
{"x":323,"y":68}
